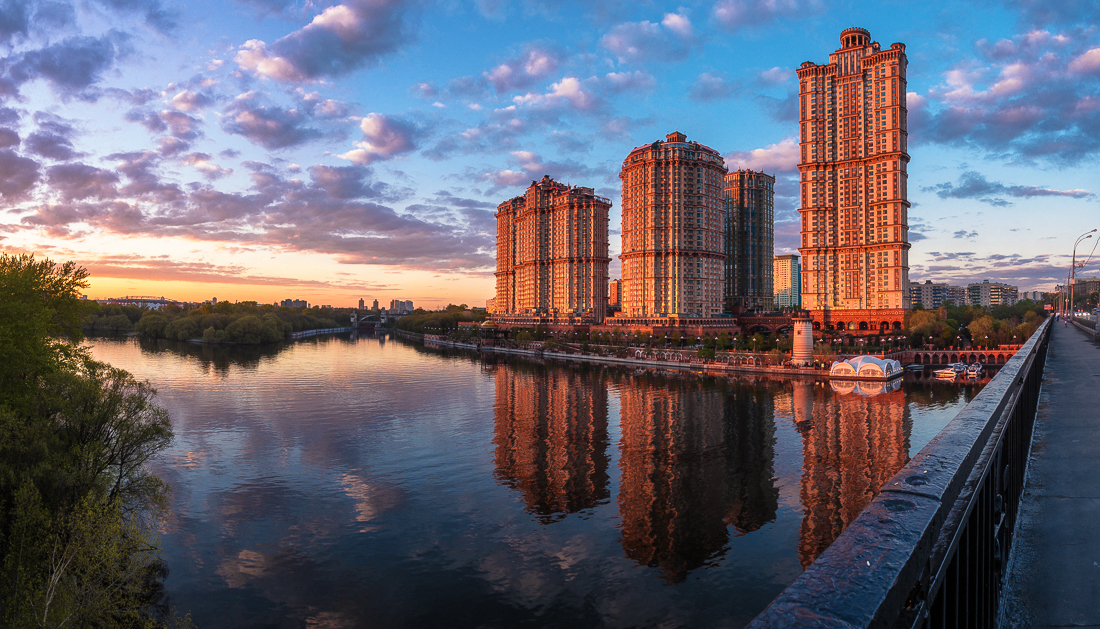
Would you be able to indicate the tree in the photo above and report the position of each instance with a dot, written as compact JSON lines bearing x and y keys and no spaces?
{"x":78,"y":507}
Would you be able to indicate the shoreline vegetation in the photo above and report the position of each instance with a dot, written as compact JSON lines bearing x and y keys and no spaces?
{"x":240,"y":323}
{"x":79,"y":511}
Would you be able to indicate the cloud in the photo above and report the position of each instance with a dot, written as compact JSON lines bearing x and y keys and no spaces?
{"x":264,"y":8}
{"x":271,"y":127}
{"x":962,"y":233}
{"x":73,"y":64}
{"x":342,"y":39}
{"x":188,"y":101}
{"x":710,"y":86}
{"x":8,"y":138}
{"x":1025,"y":100}
{"x":781,"y":157}
{"x":1067,"y":12}
{"x":634,"y":42}
{"x":80,"y":181}
{"x":344,"y":182}
{"x":737,"y":14}
{"x":384,"y":137}
{"x":775,"y":76}
{"x":1087,"y":63}
{"x":973,"y":185}
{"x":636,"y":81}
{"x":535,"y":63}
{"x":569,"y":92}
{"x":202,"y":163}
{"x":17,"y":175}
{"x":53,"y":138}
{"x":425,"y":91}
{"x":153,"y":13}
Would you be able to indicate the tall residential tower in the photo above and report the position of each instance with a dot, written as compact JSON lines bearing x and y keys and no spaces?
{"x":854,"y":202}
{"x":750,"y":228}
{"x":552,"y":256}
{"x":674,"y":218}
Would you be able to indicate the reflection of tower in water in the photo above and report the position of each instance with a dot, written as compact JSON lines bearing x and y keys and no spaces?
{"x":852,"y":444}
{"x":696,"y":458}
{"x":551,"y":438}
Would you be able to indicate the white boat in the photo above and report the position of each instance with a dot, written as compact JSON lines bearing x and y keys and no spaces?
{"x":974,"y":370}
{"x":947,"y":373}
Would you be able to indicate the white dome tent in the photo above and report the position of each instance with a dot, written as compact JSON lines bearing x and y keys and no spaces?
{"x":869,"y":367}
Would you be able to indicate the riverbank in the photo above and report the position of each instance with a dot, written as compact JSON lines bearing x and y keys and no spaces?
{"x":679,"y":365}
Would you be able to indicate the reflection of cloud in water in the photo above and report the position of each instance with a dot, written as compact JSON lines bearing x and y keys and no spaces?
{"x":371,"y":499}
{"x":240,"y":570}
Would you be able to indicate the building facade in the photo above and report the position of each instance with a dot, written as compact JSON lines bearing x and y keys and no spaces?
{"x":928,"y":295}
{"x":674,"y":220}
{"x":1033,"y":295}
{"x":552,"y":256}
{"x":615,"y":293}
{"x":750,"y":227}
{"x":988,"y":294}
{"x":854,"y":199}
{"x":787,"y":283}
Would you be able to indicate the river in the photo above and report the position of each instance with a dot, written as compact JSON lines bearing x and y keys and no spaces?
{"x":371,"y":482}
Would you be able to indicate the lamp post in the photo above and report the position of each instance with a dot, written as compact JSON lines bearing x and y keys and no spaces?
{"x":1073,"y":269}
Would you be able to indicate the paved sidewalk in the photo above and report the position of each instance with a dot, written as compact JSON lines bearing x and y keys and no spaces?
{"x":1054,"y":570}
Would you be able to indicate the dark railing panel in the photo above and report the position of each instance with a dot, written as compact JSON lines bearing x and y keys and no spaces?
{"x":930,"y":548}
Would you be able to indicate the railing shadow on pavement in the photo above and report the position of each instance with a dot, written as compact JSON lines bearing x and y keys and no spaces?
{"x":930,"y":549}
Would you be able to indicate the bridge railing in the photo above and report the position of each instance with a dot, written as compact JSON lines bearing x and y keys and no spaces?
{"x":930,"y":549}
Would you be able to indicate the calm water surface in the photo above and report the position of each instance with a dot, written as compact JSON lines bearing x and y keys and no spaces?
{"x":370,"y":482}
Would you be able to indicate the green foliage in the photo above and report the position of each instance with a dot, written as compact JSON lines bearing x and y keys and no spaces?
{"x":262,"y":323}
{"x":439,"y":321}
{"x":78,"y":508}
{"x":152,"y":325}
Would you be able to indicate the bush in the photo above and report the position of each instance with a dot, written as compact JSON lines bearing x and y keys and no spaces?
{"x":152,"y":325}
{"x":182,"y":329}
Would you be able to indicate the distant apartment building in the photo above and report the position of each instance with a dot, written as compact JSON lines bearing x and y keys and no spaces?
{"x":374,"y":306}
{"x":141,"y":301}
{"x":958,"y":295}
{"x":1085,"y":286}
{"x":854,"y":184}
{"x":1036,"y":295}
{"x":400,"y":305}
{"x":362,"y":304}
{"x":673,"y":242}
{"x":552,"y":256}
{"x":615,"y":293}
{"x":490,"y":306}
{"x":294,"y":303}
{"x":928,"y":295}
{"x":749,"y":240}
{"x":787,"y":282}
{"x":988,"y":294}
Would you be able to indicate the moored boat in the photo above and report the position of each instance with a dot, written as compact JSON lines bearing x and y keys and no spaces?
{"x":948,"y":373}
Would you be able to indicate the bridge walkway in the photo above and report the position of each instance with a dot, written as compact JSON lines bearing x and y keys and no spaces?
{"x":1054,"y":571}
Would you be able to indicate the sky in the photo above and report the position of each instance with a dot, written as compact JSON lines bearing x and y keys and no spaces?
{"x":272,"y":149}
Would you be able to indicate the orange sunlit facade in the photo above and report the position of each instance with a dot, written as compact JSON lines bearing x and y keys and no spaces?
{"x":696,"y":461}
{"x":852,"y":443}
{"x":674,"y":215}
{"x":854,"y":199}
{"x":552,"y":256}
{"x":551,"y":439}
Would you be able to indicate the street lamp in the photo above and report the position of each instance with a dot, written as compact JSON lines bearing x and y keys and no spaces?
{"x":1073,"y":268}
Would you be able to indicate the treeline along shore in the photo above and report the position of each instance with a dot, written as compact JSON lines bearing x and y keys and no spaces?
{"x":242,"y":323}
